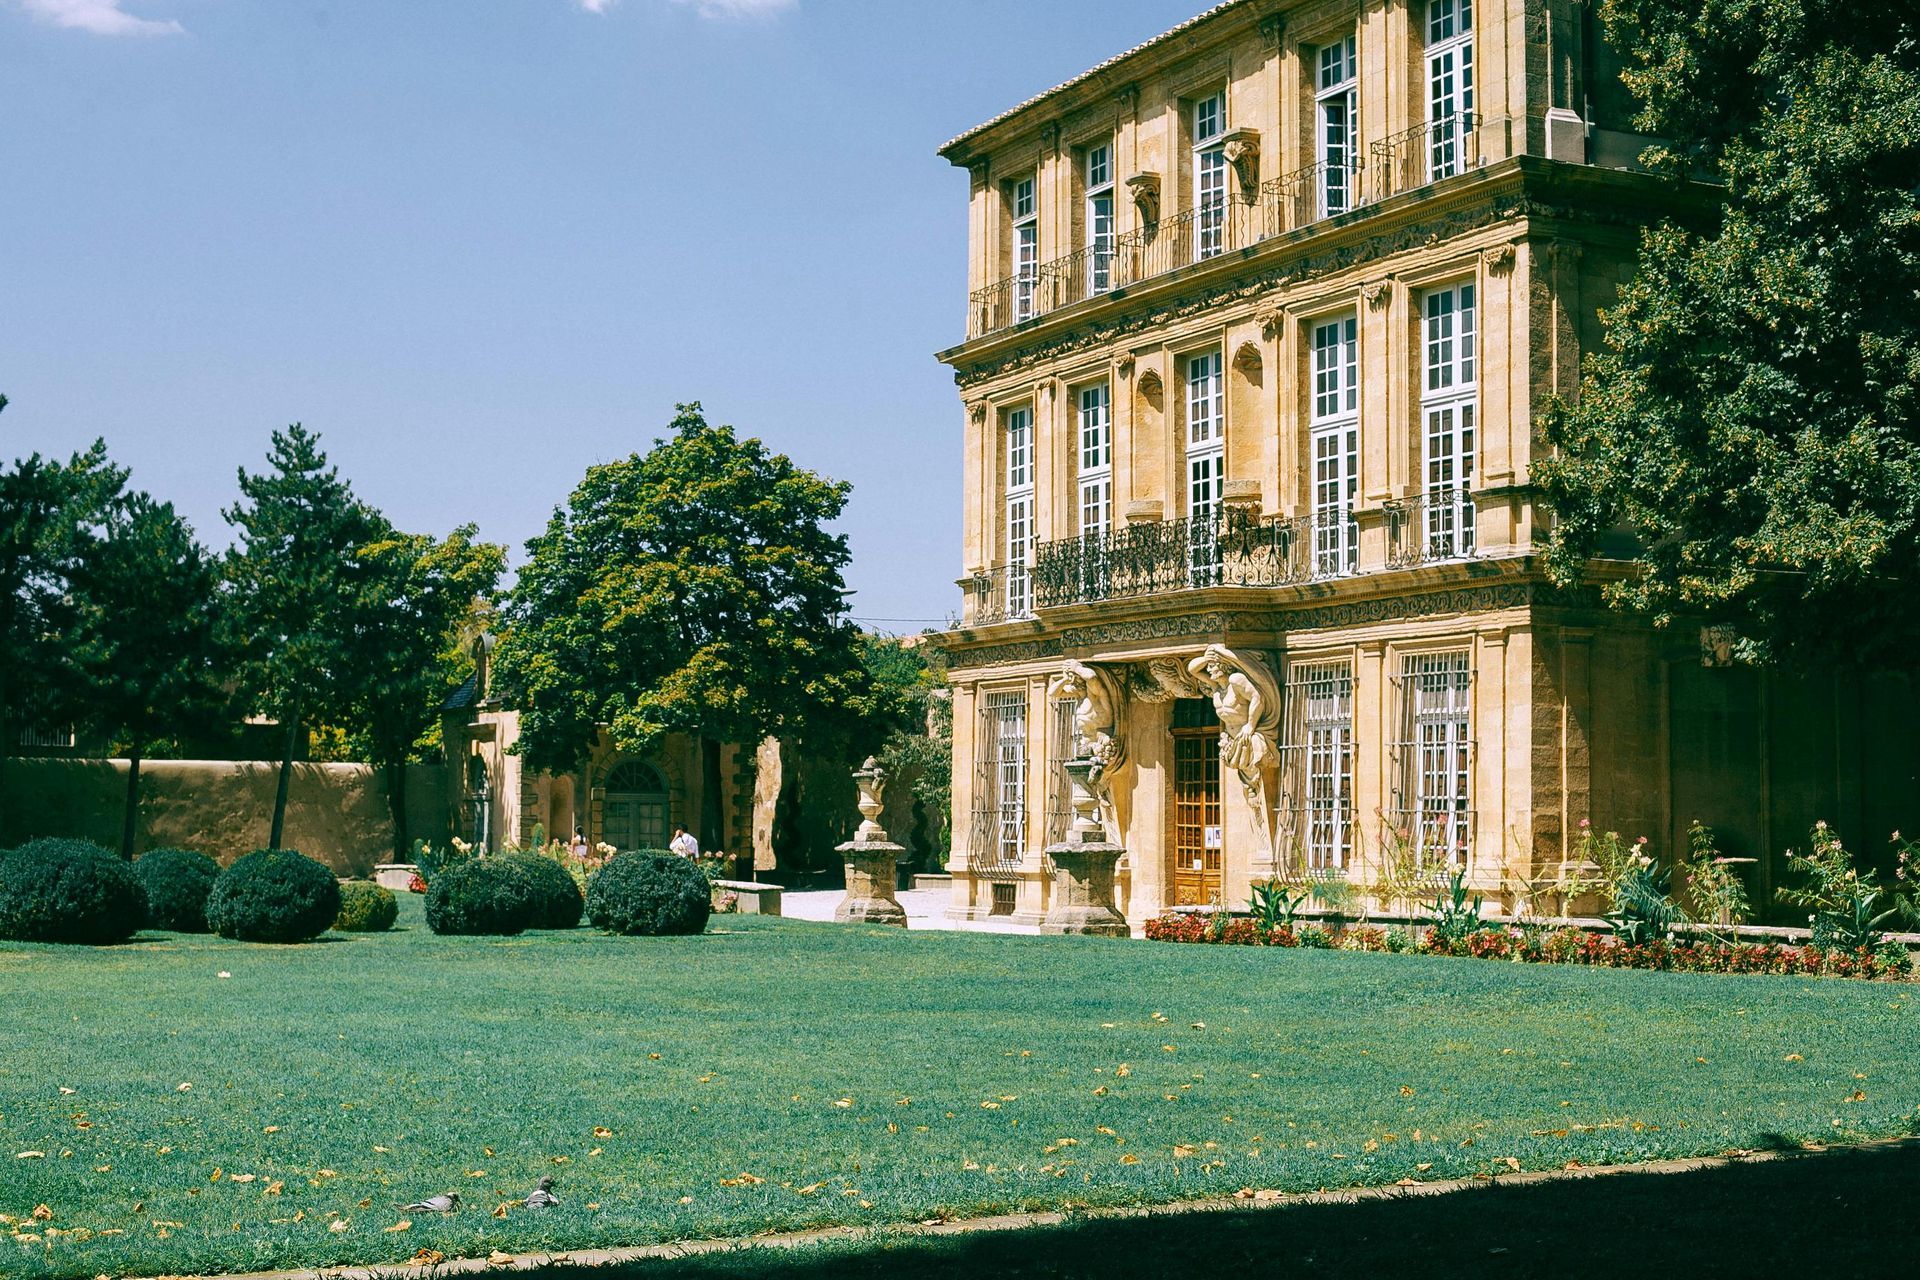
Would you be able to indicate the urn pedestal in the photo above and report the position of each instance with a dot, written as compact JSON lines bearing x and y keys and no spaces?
{"x":870,"y":859}
{"x":1083,"y":866}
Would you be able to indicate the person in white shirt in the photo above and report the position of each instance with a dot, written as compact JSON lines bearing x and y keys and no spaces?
{"x":683,"y":843}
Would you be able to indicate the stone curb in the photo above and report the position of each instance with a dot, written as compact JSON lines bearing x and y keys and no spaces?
{"x":584,"y":1258}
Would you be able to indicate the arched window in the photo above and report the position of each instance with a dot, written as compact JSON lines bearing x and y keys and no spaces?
{"x":635,"y":813}
{"x":479,"y":802}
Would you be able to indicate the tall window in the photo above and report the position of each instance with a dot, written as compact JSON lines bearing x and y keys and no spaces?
{"x":1099,"y":180}
{"x":1336,"y":445}
{"x":1006,"y":721}
{"x":1026,"y":250}
{"x":1206,"y":465}
{"x":1096,"y":460}
{"x":1020,"y":529}
{"x":1435,"y":754}
{"x":1449,"y":404}
{"x":1325,"y":693}
{"x":1450,"y":119}
{"x":1210,"y":176}
{"x":1337,"y":106}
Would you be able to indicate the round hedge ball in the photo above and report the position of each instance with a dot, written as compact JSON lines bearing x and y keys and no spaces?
{"x":556,"y":898}
{"x":177,"y":882}
{"x":486,"y":896}
{"x":649,"y":895}
{"x":69,"y":891}
{"x":366,"y":907}
{"x":274,"y":895}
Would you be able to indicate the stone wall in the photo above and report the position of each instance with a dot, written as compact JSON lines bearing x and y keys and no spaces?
{"x":335,"y":812}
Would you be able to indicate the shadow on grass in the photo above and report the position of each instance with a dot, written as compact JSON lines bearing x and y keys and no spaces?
{"x":1829,"y":1214}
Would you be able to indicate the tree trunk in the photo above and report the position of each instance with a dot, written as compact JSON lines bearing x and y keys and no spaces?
{"x":286,"y":777}
{"x":712,"y":835}
{"x":131,"y":818}
{"x":397,"y":806}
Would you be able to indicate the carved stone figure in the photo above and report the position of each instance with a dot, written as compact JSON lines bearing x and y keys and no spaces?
{"x":1096,"y":717}
{"x":1246,"y":698}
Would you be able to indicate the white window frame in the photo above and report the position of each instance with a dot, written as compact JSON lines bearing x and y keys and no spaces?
{"x":1334,"y":436}
{"x":1325,"y":690}
{"x":1209,"y":126}
{"x":1450,"y":418}
{"x":1095,"y":416}
{"x":1100,"y":225}
{"x":1022,"y":537}
{"x":1206,"y":434}
{"x":1449,"y":65}
{"x":1336,"y":113}
{"x":1436,"y":765}
{"x":1004,"y":714}
{"x":1025,"y":204}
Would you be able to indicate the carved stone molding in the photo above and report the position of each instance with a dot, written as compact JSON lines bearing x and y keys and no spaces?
{"x":1242,"y":149}
{"x":1272,"y":321}
{"x":1125,"y":364}
{"x":1498,"y":260}
{"x":1145,"y":511}
{"x":1247,"y":359}
{"x":977,"y":410}
{"x":1050,"y":137}
{"x":1127,"y":98}
{"x":1273,"y":29}
{"x":1145,"y":189}
{"x":979,"y":170}
{"x":1051,"y":387}
{"x":1376,"y":293}
{"x":1149,"y":384}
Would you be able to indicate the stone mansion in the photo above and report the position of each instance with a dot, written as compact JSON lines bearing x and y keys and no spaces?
{"x":1260,"y":316}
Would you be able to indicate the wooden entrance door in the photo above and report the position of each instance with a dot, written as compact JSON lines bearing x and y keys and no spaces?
{"x":1197,"y":834}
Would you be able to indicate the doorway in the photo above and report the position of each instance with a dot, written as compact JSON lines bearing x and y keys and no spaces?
{"x":1198,"y":838}
{"x":635,"y":812}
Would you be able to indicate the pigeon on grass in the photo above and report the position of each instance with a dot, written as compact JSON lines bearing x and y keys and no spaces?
{"x":435,"y":1204}
{"x":542,"y":1196}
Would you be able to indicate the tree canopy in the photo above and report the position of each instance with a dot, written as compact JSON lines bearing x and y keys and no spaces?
{"x":1754,"y":419}
{"x":694,"y":588}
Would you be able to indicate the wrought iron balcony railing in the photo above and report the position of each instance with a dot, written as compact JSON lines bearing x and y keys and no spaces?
{"x":1003,"y":593}
{"x":1430,"y":527}
{"x":1436,"y":149}
{"x":1235,"y":549}
{"x":1412,"y":158}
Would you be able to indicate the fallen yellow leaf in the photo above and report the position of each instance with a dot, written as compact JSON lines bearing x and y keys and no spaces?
{"x":405,"y":1224}
{"x":601,"y":1131}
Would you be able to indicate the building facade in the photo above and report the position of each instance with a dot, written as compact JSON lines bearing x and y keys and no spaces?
{"x":1260,"y":315}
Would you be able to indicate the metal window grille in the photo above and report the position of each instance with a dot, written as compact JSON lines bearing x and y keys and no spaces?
{"x":1000,"y":783}
{"x":1316,"y":767}
{"x":1433,"y":760}
{"x":1061,"y":746}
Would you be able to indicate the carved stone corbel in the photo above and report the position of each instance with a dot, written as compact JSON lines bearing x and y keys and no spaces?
{"x":979,"y":169}
{"x":1376,"y":293}
{"x":1125,"y":364}
{"x":1145,"y":189}
{"x":1050,"y":137}
{"x":1242,"y":149}
{"x":1272,"y":321}
{"x":1127,"y":98}
{"x":977,"y":410}
{"x":1498,"y":260}
{"x":1273,"y":29}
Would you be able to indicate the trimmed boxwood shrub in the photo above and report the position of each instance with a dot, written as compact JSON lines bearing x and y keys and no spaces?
{"x":274,"y":895}
{"x":649,"y":894}
{"x":177,"y":882}
{"x":69,"y":891}
{"x":484,"y":896}
{"x":556,"y":898}
{"x":366,"y":907}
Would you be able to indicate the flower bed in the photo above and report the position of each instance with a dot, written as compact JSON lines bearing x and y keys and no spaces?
{"x":1548,"y":946}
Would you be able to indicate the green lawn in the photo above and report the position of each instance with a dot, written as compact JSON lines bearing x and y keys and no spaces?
{"x":775,"y":1075}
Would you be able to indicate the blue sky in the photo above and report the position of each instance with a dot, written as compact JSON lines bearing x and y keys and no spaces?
{"x":482,"y":244}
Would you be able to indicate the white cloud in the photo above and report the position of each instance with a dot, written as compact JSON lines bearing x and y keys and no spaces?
{"x":101,"y":17}
{"x":735,"y":9}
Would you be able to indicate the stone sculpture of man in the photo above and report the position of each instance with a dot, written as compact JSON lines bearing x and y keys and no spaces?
{"x":1096,"y":714}
{"x":1247,"y":701}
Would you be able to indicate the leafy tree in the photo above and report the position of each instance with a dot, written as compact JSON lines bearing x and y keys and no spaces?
{"x":1755,"y":417}
{"x":142,"y":642}
{"x":694,"y":588}
{"x":906,"y":709}
{"x":418,"y":597}
{"x":295,"y":584}
{"x":48,"y":512}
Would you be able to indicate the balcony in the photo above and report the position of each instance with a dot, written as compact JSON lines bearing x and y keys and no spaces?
{"x":1236,"y":548}
{"x":1403,"y":162}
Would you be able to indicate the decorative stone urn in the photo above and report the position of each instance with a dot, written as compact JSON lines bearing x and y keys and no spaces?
{"x":1083,"y":866}
{"x":870,"y":858}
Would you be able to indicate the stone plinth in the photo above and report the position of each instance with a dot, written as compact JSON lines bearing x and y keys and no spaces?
{"x":1083,"y":890}
{"x":395,"y":875}
{"x":870,"y":884}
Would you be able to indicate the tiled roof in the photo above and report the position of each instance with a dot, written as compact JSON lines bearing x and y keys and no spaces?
{"x":1088,"y":74}
{"x":463,"y":697}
